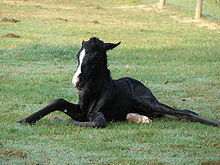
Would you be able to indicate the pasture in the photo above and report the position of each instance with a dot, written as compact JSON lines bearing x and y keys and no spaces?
{"x":177,"y":57}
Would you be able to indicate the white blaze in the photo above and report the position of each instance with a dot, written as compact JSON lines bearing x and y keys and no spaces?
{"x":78,"y":71}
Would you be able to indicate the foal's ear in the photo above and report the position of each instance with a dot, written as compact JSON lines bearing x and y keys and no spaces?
{"x":83,"y":42}
{"x":109,"y":46}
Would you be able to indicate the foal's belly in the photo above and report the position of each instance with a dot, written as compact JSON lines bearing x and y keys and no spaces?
{"x":117,"y":110}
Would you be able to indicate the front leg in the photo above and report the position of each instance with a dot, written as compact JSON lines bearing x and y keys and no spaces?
{"x":72,"y":110}
{"x":98,"y":122}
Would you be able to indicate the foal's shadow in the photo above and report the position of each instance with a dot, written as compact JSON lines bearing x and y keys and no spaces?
{"x":161,"y":121}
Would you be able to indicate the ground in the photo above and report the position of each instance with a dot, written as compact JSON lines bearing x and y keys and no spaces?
{"x":170,"y":52}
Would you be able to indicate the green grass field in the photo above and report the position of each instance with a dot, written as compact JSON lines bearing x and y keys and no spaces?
{"x":174,"y":55}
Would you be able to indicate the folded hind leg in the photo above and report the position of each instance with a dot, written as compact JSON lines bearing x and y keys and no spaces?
{"x":147,"y":109}
{"x":146,"y":103}
{"x":72,"y":110}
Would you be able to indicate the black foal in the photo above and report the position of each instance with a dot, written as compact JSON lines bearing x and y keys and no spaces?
{"x":102,"y":99}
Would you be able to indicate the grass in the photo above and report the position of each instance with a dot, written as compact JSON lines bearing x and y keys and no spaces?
{"x":178,"y":60}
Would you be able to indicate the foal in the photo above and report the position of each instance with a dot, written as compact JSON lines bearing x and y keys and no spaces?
{"x":102,"y":99}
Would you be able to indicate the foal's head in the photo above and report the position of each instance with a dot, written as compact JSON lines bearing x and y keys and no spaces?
{"x":92,"y":61}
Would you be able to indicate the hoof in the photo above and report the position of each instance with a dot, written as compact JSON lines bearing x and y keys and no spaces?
{"x":21,"y":121}
{"x":24,"y":121}
{"x":216,"y":122}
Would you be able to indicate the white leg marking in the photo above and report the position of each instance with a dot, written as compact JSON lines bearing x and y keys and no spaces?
{"x":78,"y":71}
{"x":135,"y":117}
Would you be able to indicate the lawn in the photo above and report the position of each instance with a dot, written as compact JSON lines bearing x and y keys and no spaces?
{"x":174,"y":55}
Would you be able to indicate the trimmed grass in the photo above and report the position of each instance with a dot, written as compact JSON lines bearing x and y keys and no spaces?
{"x":178,"y":60}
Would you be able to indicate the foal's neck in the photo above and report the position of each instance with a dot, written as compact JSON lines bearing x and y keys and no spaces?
{"x":98,"y":81}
